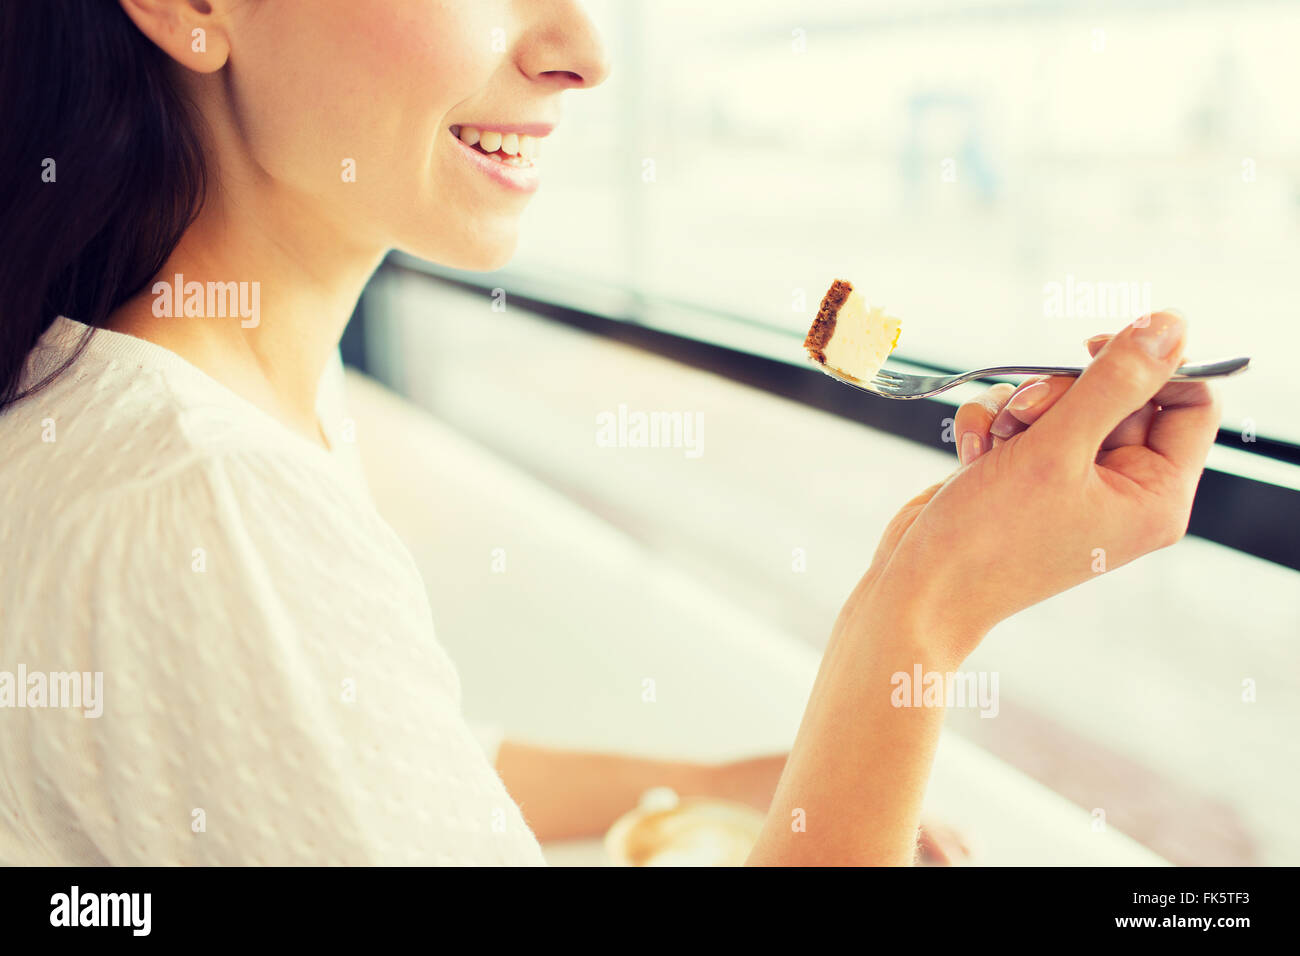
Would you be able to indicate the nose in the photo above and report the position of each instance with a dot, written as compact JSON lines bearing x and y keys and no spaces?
{"x":561,"y":45}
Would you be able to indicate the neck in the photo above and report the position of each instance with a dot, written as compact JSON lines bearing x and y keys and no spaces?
{"x":302,"y":271}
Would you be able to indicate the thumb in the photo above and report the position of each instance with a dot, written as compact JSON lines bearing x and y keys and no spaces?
{"x":1128,"y":371}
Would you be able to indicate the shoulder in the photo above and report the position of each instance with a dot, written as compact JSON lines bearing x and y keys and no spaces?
{"x":120,"y":426}
{"x":122,"y":459}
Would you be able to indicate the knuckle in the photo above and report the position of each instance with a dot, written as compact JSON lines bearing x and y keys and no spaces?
{"x":1167,"y":526}
{"x":1000,"y":392}
{"x":968,"y":419}
{"x":1126,"y":366}
{"x":990,"y":401}
{"x":1179,"y":521}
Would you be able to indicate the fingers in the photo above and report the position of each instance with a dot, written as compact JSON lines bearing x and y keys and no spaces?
{"x":899,"y":524}
{"x":1137,"y":429}
{"x":942,"y":846}
{"x":971,"y":424}
{"x":1034,"y":397}
{"x":1004,"y":411}
{"x":1185,"y":427}
{"x":1132,"y":430}
{"x":1127,"y":373}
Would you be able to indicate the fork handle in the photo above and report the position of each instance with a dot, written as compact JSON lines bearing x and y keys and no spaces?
{"x":1184,"y":373}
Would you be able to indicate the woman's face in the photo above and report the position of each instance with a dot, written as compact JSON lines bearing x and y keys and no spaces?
{"x":352,"y":106}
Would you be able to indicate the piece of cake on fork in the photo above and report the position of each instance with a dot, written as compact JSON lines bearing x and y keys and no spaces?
{"x":850,"y":337}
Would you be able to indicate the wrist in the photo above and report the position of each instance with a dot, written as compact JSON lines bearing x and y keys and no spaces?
{"x":914,"y":613}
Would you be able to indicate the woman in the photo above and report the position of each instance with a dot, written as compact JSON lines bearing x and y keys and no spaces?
{"x":181,"y":517}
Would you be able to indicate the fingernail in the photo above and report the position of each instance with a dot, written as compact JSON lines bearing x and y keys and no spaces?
{"x":1161,"y":335}
{"x":1005,"y":425}
{"x":1088,"y":343}
{"x":970,"y":448}
{"x":1028,"y":397}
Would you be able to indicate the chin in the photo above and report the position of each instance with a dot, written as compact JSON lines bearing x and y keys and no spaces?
{"x":490,"y":258}
{"x":483,"y":249}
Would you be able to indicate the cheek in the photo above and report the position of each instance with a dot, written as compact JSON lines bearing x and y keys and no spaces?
{"x":326,"y":84}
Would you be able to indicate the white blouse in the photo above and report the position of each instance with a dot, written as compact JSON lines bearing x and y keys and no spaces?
{"x":212,"y":648}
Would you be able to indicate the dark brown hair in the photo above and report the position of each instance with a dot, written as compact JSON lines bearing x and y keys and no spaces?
{"x":101,"y":169}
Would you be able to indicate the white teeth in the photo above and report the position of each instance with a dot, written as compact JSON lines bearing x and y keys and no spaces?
{"x":514,"y":149}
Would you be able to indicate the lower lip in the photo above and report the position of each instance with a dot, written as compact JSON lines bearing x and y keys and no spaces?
{"x":522,"y":179}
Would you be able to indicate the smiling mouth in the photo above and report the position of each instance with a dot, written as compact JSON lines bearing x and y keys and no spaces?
{"x":509,"y":149}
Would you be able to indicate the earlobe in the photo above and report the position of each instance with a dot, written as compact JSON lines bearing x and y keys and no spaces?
{"x":191,"y":32}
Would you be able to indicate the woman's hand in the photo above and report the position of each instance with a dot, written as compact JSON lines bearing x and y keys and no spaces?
{"x":1005,"y":410}
{"x":1107,"y":473}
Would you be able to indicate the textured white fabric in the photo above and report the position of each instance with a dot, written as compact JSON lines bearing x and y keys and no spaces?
{"x":489,"y":737}
{"x":273,"y":692}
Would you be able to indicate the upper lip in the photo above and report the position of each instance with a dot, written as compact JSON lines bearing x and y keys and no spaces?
{"x":522,"y":129}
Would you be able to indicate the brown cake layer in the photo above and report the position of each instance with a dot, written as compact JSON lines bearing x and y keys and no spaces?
{"x":823,"y":326}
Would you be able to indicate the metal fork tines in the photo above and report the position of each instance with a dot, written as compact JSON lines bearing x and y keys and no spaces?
{"x":891,"y":384}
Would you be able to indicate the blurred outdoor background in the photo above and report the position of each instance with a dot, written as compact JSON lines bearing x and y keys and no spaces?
{"x":1010,"y":178}
{"x":953,"y":159}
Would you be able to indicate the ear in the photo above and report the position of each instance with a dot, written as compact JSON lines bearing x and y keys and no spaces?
{"x":191,"y":32}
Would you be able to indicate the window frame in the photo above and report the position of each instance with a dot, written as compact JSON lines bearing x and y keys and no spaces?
{"x":1239,"y":511}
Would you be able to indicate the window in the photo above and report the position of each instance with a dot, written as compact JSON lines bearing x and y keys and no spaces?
{"x":1009,"y":177}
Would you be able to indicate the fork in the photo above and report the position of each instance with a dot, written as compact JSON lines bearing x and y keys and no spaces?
{"x":890,"y":384}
